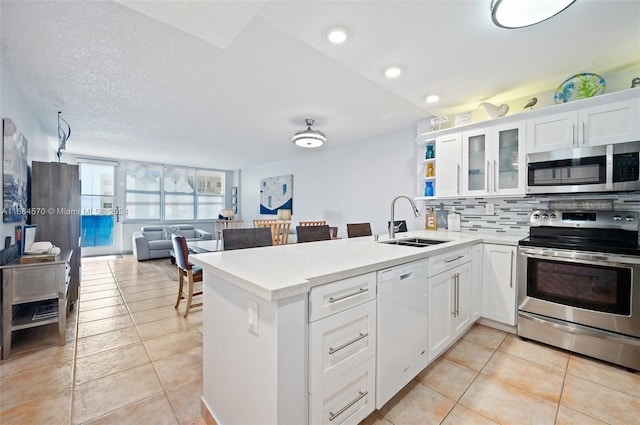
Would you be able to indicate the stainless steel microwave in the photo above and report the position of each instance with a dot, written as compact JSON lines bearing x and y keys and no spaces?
{"x":606,"y":168}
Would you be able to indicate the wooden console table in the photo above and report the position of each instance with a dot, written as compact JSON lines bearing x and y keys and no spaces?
{"x":25,"y":287}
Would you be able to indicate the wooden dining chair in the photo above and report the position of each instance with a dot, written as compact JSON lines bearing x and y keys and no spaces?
{"x":186,"y":270}
{"x":280,"y":232}
{"x":226,"y":224}
{"x":313,"y":223}
{"x":313,"y":233}
{"x":261,"y":222}
{"x":355,"y":230}
{"x":246,"y":238}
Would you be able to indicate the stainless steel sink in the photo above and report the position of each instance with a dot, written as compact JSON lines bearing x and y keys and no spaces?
{"x":417,"y":242}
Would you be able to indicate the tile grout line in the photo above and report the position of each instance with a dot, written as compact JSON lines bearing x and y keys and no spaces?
{"x":564,"y":380}
{"x":476,"y":377}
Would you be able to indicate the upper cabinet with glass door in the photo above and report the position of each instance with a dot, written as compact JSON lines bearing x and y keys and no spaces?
{"x":491,"y":159}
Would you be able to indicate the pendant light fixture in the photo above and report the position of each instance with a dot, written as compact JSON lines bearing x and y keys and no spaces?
{"x":523,"y":13}
{"x":309,"y":138}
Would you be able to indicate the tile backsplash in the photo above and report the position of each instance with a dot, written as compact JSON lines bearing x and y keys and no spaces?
{"x":511,"y":215}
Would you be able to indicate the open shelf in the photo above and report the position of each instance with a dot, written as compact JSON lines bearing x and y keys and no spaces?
{"x":23,"y":314}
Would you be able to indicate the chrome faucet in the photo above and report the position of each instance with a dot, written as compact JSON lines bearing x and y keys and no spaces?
{"x":392,"y":226}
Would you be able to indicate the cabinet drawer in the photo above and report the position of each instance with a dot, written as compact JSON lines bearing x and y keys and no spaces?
{"x":33,"y":283}
{"x":325,"y":300}
{"x":340,"y":342}
{"x":448,"y":260}
{"x":347,"y":400}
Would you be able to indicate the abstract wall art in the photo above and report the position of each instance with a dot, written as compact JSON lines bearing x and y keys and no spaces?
{"x":14,"y":173}
{"x":276,"y":193}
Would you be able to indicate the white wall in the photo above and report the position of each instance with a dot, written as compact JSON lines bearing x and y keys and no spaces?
{"x":346,"y":184}
{"x":14,"y":105}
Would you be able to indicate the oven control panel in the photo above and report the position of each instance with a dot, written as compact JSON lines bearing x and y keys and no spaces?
{"x":626,"y":220}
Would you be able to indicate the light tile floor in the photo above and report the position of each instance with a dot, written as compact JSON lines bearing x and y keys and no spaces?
{"x":130,"y":358}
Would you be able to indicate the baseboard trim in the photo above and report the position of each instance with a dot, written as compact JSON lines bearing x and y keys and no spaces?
{"x":206,"y":414}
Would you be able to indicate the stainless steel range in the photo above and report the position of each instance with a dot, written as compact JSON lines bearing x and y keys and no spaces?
{"x":579,"y":283}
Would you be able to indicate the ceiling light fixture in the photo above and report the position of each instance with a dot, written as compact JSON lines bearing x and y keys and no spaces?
{"x":432,"y":98}
{"x":392,"y":72}
{"x":523,"y":13}
{"x":337,"y":35}
{"x":309,"y":138}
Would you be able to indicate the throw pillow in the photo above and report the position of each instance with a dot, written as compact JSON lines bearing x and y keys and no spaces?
{"x":168,"y":231}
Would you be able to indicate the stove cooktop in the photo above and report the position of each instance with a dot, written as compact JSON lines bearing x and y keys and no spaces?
{"x":614,"y":232}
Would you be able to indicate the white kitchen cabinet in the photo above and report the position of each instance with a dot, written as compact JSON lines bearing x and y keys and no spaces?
{"x":347,"y":400}
{"x":449,"y":293}
{"x":491,"y":159}
{"x":499,"y":283}
{"x":332,"y":298}
{"x":590,"y":126}
{"x":340,"y":342}
{"x":475,"y":292}
{"x":448,"y":165}
{"x":611,"y":123}
{"x":552,"y":132}
{"x":342,"y":350}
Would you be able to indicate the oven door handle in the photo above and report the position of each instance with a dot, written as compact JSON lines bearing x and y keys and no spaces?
{"x":584,"y":258}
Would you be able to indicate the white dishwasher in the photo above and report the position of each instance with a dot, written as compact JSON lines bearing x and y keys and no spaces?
{"x":402,"y":327}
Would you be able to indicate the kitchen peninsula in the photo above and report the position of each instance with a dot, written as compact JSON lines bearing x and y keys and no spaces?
{"x":265,"y":318}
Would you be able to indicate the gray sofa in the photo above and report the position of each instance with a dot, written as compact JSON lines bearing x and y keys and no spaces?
{"x":155,"y":241}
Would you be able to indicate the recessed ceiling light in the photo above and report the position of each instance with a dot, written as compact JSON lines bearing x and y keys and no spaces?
{"x":392,"y":72}
{"x":337,"y":35}
{"x":432,"y":98}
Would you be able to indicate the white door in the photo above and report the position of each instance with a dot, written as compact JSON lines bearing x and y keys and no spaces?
{"x":499,"y":285}
{"x":100,"y":213}
{"x":508,"y":166}
{"x":558,"y":131}
{"x":441,"y":309}
{"x":612,"y":123}
{"x":462,"y":294}
{"x":475,"y":163}
{"x":448,"y":167}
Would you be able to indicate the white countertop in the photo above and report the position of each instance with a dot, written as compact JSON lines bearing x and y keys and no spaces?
{"x":279,"y":272}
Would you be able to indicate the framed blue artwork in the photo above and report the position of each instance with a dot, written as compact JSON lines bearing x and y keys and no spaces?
{"x":14,"y":173}
{"x":276,"y":193}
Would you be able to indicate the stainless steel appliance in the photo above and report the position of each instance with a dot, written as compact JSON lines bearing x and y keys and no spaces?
{"x":606,"y":168}
{"x":579,"y":283}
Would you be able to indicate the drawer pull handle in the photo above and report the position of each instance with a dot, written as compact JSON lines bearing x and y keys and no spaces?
{"x":454,"y":259}
{"x":348,"y":343}
{"x":360,"y":291}
{"x":332,"y":415}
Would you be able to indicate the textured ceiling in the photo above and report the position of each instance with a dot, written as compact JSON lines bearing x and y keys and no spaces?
{"x":225,"y":84}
